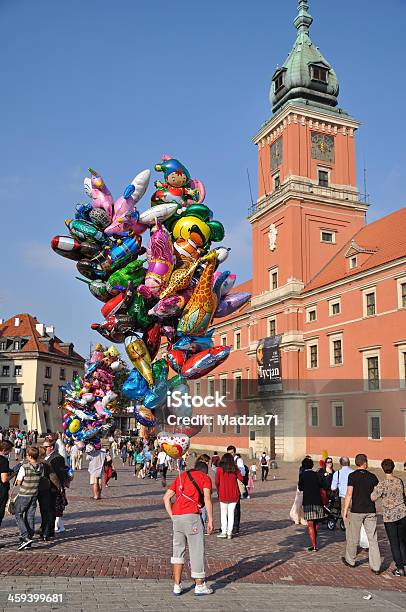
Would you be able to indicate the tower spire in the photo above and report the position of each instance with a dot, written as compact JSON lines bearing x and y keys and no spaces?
{"x":303,"y":20}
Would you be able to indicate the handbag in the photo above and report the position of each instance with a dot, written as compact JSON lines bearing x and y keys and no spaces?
{"x":11,"y":503}
{"x":404,"y":492}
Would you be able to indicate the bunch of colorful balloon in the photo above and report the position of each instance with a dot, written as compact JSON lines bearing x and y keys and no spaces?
{"x":89,"y":401}
{"x":176,"y":295}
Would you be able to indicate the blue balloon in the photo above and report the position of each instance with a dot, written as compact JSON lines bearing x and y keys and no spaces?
{"x":135,"y":387}
{"x":156,"y":396}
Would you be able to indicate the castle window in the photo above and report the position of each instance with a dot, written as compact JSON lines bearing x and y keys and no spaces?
{"x":319,"y":74}
{"x":16,"y":394}
{"x":274,"y":279}
{"x":272,"y":327}
{"x":353,"y":262}
{"x":277,"y":181}
{"x":323,"y":178}
{"x":4,"y":394}
{"x":3,"y":345}
{"x":5,"y":370}
{"x":334,"y":307}
{"x":278,"y":81}
{"x":327,"y":236}
{"x":18,"y":370}
{"x":311,"y":315}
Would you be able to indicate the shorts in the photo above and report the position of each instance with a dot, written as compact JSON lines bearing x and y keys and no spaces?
{"x":188,"y":529}
{"x":94,"y":478}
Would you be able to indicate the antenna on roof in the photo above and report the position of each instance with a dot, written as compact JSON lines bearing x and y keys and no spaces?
{"x":366,"y":196}
{"x":263,"y":177}
{"x":249,"y":186}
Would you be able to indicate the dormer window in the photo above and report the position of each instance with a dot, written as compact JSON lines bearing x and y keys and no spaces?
{"x":278,"y":82}
{"x":353,"y":262}
{"x":278,"y":79}
{"x":318,"y":73}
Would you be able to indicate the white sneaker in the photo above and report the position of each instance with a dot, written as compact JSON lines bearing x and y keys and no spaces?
{"x":203,"y":589}
{"x":229,"y":536}
{"x":177,"y":589}
{"x":222,"y":535}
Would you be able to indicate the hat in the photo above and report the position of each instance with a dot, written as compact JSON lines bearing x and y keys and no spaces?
{"x":167,"y":166}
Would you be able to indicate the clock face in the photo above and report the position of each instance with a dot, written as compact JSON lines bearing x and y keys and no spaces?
{"x":323,"y":147}
{"x":276,"y":154}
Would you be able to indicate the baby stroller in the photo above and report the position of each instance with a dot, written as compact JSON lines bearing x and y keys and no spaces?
{"x":332,"y":511}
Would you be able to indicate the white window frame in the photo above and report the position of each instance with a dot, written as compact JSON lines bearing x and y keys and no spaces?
{"x":198,"y":387}
{"x":332,"y":303}
{"x":273,"y":271}
{"x":402,"y":366}
{"x":270,"y":320}
{"x":223,"y":377}
{"x":328,"y":171}
{"x":366,"y":292}
{"x":223,"y":340}
{"x":20,"y":370}
{"x":400,"y":282}
{"x":210,"y":381}
{"x":334,"y":405}
{"x":310,"y":309}
{"x":276,"y":177}
{"x":325,"y":230}
{"x":332,"y":339}
{"x":353,"y":262}
{"x":237,"y":331}
{"x":373,"y":414}
{"x":235,"y":376}
{"x":3,"y":345}
{"x":312,"y":405}
{"x":365,"y":356}
{"x":210,"y":426}
{"x":310,"y":343}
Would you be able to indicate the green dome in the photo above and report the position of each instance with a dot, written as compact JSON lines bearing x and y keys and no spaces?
{"x":306,"y":75}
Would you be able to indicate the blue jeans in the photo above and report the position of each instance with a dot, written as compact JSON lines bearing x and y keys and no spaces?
{"x":25,"y":515}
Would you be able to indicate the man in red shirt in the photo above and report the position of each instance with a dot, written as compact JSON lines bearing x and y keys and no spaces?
{"x":183,"y":500}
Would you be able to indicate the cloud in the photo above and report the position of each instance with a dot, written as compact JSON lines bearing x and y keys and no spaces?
{"x":41,"y":256}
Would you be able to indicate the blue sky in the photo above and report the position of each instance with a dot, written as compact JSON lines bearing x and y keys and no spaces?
{"x":115,"y":84}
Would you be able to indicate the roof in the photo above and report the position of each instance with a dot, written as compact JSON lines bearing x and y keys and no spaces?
{"x":297,"y":82}
{"x":35,"y":341}
{"x":380,"y":242}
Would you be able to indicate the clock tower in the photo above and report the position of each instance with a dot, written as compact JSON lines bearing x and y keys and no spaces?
{"x":308,"y":201}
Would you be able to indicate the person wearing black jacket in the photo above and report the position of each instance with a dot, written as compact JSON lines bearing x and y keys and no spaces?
{"x":5,"y":450}
{"x":57,"y":464}
{"x":309,"y":483}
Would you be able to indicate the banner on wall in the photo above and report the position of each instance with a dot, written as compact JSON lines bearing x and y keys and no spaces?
{"x":269,"y":364}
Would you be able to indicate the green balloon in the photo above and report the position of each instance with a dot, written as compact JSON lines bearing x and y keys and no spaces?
{"x":177,"y":380}
{"x":138,"y":311}
{"x":160,"y":370}
{"x":133,"y":272}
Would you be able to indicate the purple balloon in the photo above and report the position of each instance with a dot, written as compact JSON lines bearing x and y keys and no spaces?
{"x":231,"y":302}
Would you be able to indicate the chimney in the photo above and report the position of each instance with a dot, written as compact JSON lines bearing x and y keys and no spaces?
{"x":50,"y":330}
{"x":1,"y":321}
{"x":40,"y":327}
{"x":17,"y":321}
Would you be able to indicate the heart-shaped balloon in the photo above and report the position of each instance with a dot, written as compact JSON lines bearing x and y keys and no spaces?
{"x":174,"y":445}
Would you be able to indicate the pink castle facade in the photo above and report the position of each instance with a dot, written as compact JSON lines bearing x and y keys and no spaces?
{"x":328,"y":286}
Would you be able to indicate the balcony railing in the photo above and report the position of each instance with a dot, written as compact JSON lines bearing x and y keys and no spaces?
{"x":304,"y":189}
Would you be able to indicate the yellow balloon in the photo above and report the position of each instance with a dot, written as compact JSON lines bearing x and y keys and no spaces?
{"x":75,"y":426}
{"x":182,"y":228}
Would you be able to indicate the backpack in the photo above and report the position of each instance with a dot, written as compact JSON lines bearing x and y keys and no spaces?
{"x":264,"y":461}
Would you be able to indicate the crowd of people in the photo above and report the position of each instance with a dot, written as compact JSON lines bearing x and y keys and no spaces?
{"x":355,"y":492}
{"x":42,"y":477}
{"x":43,"y":471}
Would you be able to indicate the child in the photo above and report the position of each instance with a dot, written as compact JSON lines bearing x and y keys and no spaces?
{"x":253,"y":471}
{"x":250,"y":486}
{"x":28,"y":477}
